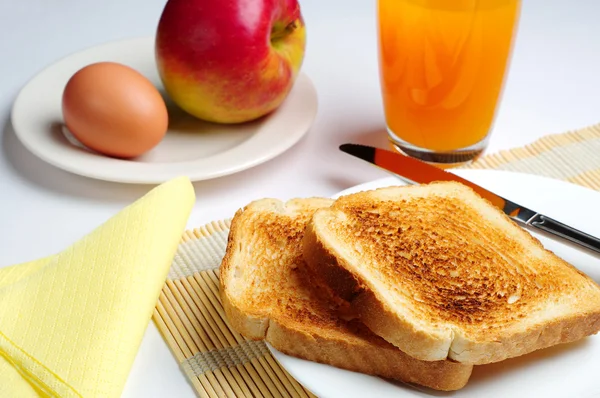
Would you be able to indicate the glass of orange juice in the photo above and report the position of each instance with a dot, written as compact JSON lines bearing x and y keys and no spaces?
{"x":442,"y":67}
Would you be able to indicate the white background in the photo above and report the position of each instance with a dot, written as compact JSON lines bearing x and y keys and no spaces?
{"x":553,"y":86}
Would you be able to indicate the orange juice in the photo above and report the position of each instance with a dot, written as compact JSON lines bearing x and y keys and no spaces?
{"x":442,"y":65}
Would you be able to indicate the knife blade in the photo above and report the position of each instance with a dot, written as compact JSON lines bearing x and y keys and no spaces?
{"x":418,"y":172}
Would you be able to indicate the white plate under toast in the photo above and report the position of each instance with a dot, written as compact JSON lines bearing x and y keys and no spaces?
{"x":570,"y":370}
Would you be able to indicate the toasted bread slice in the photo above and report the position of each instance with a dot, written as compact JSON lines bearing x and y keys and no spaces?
{"x":440,"y":273}
{"x":266,"y":296}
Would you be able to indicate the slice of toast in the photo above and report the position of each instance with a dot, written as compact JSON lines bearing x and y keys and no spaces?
{"x":266,"y":296}
{"x":440,"y":273}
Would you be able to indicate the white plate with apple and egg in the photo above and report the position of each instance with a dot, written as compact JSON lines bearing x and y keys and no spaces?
{"x":188,"y":145}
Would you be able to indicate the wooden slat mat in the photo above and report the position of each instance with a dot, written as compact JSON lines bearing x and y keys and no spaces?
{"x":221,"y":363}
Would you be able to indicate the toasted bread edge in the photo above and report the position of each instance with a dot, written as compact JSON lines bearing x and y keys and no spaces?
{"x":252,"y":327}
{"x":369,"y":359}
{"x":561,"y":331}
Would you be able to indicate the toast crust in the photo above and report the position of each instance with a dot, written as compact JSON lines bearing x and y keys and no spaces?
{"x":286,"y":311}
{"x":472,"y":291}
{"x":387,"y":361}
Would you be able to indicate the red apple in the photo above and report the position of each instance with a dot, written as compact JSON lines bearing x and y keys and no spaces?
{"x":230,"y":61}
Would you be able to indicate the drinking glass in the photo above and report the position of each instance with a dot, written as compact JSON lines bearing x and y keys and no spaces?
{"x":442,"y":69}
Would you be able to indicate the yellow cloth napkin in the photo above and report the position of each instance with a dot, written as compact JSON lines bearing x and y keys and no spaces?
{"x":71,"y":324}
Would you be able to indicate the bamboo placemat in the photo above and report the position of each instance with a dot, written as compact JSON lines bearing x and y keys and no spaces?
{"x":221,"y":363}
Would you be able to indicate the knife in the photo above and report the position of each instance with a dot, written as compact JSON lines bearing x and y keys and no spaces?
{"x":415,"y":171}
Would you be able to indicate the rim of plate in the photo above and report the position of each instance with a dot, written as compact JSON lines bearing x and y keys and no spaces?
{"x":270,"y":140}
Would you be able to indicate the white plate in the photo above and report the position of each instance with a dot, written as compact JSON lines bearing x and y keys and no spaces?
{"x":570,"y":370}
{"x":193,"y":148}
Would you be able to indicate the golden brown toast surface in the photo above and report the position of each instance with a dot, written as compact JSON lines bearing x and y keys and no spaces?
{"x":445,"y":260}
{"x":270,"y":282}
{"x":266,"y":294}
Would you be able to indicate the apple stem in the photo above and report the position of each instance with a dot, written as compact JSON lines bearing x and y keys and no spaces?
{"x":277,"y":34}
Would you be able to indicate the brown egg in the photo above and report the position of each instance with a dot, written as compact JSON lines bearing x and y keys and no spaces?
{"x":114,"y":110}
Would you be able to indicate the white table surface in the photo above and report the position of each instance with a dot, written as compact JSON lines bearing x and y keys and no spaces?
{"x":553,"y":86}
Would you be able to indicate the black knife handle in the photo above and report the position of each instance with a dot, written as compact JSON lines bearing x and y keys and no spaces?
{"x":564,"y":231}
